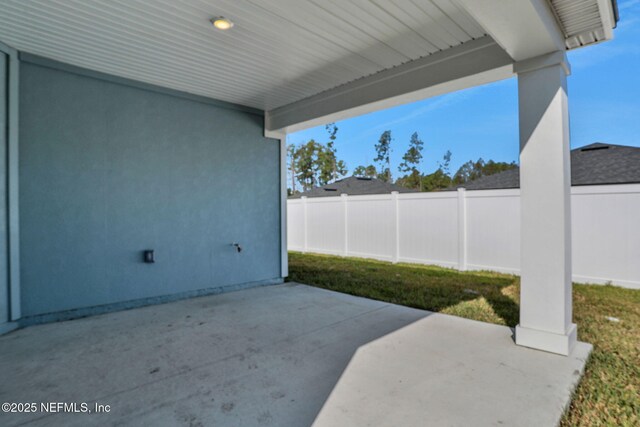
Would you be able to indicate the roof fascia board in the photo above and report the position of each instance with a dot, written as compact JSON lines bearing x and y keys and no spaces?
{"x":608,"y":17}
{"x":471,"y":64}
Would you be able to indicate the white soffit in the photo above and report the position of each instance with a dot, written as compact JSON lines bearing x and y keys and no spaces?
{"x":278,"y":52}
{"x":584,"y":22}
{"x":529,"y":28}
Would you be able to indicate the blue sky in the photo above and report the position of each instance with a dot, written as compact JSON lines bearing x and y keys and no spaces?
{"x":604,"y":103}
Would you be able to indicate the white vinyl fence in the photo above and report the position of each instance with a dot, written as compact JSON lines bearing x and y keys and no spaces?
{"x":470,"y":230}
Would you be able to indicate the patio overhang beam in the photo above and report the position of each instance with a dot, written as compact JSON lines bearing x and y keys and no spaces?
{"x":525,"y":29}
{"x":471,"y":64}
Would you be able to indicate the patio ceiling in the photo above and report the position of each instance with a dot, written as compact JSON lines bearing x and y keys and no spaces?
{"x":281,"y":52}
{"x":278,"y":51}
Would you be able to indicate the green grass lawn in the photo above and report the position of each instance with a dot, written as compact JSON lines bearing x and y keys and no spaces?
{"x":609,"y":393}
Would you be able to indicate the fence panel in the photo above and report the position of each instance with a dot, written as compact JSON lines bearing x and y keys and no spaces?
{"x":477,"y":230}
{"x":370,"y":227}
{"x":325,"y":225}
{"x":428,"y":228}
{"x":606,"y":234}
{"x":295,"y":225}
{"x":493,"y":230}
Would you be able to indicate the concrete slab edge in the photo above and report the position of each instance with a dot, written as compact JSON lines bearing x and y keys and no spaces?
{"x":588,"y":349}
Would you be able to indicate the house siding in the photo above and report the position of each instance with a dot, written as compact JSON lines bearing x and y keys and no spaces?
{"x":108,"y":170}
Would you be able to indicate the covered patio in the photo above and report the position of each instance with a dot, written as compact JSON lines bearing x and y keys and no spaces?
{"x":144,"y":162}
{"x":286,"y":355}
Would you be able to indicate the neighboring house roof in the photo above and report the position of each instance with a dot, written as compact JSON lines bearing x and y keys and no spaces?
{"x":593,"y":164}
{"x":353,"y":186}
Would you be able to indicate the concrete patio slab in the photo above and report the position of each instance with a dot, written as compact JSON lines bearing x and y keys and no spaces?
{"x":285,"y":355}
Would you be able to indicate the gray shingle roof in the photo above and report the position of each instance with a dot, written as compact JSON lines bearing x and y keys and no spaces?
{"x":592,"y":164}
{"x":354,"y":186}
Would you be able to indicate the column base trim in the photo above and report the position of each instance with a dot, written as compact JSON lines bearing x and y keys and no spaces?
{"x":548,"y":341}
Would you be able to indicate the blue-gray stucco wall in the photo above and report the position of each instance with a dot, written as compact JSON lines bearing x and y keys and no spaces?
{"x":108,"y":170}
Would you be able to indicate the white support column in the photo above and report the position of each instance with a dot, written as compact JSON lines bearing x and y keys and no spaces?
{"x":396,"y":227}
{"x":462,"y":229}
{"x":13,"y":164}
{"x":305,"y":223}
{"x":284,"y":255}
{"x":345,"y":208}
{"x":545,"y":179}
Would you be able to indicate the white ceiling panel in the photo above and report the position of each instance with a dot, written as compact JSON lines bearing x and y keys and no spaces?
{"x":278,"y":52}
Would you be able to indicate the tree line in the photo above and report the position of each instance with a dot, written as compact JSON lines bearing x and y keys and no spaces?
{"x":313,"y":164}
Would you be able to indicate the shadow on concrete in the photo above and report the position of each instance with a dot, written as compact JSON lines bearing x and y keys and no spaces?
{"x":285,"y":355}
{"x":263,"y":356}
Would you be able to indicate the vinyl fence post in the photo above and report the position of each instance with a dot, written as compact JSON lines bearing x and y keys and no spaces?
{"x":462,"y":229}
{"x":396,"y":227}
{"x":305,"y":225}
{"x":345,"y":248}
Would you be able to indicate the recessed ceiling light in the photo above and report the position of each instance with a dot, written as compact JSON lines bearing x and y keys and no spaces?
{"x":221,"y":23}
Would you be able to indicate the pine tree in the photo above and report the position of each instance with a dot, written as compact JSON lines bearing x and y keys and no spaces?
{"x":383,"y":158}
{"x":411,"y":162}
